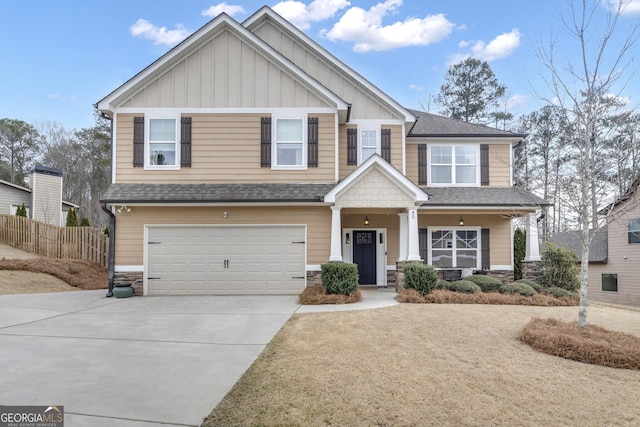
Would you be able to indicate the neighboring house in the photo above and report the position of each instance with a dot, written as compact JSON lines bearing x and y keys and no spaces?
{"x":248,"y":156}
{"x":43,"y":199}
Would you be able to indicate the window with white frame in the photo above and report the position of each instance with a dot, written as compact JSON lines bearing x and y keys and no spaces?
{"x":14,"y":209}
{"x":162,"y":142}
{"x":368,"y":143}
{"x":454,"y":248}
{"x":289,"y":143}
{"x":634,"y":230}
{"x":454,"y":164}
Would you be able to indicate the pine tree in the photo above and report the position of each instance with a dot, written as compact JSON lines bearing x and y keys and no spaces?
{"x":21,"y":211}
{"x":72,"y":218}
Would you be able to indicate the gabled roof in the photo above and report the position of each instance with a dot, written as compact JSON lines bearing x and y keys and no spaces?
{"x":432,"y":125}
{"x":598,"y":249}
{"x":220,"y":23}
{"x":266,"y":13}
{"x":511,"y":197}
{"x":28,"y":190}
{"x":626,"y":196}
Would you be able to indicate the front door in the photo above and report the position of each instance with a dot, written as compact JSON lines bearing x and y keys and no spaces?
{"x":364,"y":255}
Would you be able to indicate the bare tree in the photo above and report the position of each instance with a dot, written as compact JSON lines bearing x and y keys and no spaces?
{"x":581,"y":89}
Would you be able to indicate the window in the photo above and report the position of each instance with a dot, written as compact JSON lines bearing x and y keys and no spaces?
{"x":454,"y":164}
{"x":163,"y":141}
{"x":634,"y":230}
{"x":610,"y":282}
{"x":454,"y":248}
{"x":289,"y":146}
{"x":368,"y":143}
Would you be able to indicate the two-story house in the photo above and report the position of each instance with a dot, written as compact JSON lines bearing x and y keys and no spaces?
{"x":248,"y":155}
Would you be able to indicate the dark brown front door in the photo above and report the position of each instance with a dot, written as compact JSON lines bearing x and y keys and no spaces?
{"x":364,"y":255}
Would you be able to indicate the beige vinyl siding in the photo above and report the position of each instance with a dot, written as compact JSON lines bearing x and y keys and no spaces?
{"x":225,"y":72}
{"x":364,"y":106}
{"x":225,"y":148}
{"x":412,"y":163}
{"x":500,"y":165}
{"x":47,"y":198}
{"x":130,"y":226}
{"x":500,"y":230}
{"x":388,"y":219}
{"x":623,"y":260}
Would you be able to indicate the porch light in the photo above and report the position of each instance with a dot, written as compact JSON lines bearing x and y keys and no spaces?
{"x":366,"y":220}
{"x":461,"y":221}
{"x":123,"y":208}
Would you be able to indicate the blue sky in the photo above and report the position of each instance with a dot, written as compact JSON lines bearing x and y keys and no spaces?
{"x":61,"y":57}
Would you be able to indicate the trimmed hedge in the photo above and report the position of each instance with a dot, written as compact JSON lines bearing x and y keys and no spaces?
{"x":423,"y":278}
{"x":442,"y":284}
{"x":531,"y":283}
{"x":339,"y":278}
{"x":559,"y":292}
{"x":486,"y":283}
{"x":464,"y":286}
{"x":518,"y":288}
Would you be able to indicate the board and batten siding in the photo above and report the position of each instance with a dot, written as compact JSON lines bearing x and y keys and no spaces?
{"x":364,"y":105}
{"x":225,"y":72}
{"x":623,"y":259}
{"x":225,"y":148}
{"x":130,"y":235}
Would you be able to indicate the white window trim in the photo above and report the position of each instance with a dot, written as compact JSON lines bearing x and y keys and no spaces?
{"x":362,"y":128}
{"x":147,"y":148}
{"x":453,"y":166}
{"x":274,"y":140}
{"x":478,"y":230}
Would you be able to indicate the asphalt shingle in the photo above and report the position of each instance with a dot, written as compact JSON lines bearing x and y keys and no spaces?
{"x":432,"y":125}
{"x":482,"y":196}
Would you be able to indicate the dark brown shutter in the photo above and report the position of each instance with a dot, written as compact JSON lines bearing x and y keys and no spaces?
{"x":423,"y":244}
{"x":486,"y":249}
{"x":138,"y":141}
{"x":185,"y":142}
{"x":312,"y":142}
{"x":352,"y":146}
{"x":422,"y":164}
{"x":265,"y":142}
{"x":484,"y":164}
{"x":385,"y":144}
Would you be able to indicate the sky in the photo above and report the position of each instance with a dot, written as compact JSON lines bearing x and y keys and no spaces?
{"x":61,"y":57}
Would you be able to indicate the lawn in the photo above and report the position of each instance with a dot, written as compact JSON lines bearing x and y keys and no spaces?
{"x":429,"y":364}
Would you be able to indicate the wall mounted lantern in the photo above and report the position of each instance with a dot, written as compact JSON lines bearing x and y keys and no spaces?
{"x":461,"y":221}
{"x":366,"y":220}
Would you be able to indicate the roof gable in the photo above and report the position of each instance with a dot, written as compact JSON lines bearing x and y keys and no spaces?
{"x":432,"y":125}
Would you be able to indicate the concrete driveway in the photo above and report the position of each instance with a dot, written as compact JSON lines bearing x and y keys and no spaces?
{"x":134,"y":361}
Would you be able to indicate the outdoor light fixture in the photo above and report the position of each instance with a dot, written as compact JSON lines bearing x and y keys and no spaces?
{"x":348,"y":239}
{"x":461,"y":221}
{"x":123,"y":208}
{"x":366,"y":220}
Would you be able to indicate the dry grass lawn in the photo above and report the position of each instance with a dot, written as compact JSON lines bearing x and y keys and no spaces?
{"x":430,"y":364}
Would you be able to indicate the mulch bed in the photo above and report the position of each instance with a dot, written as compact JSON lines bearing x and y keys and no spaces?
{"x":315,"y":295}
{"x":80,"y":274}
{"x":443,"y":296}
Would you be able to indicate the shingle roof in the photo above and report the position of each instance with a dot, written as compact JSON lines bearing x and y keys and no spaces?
{"x":482,"y":196}
{"x":598,"y":249}
{"x":428,"y":124}
{"x":205,"y":193}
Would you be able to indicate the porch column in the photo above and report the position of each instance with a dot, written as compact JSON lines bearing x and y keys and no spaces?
{"x":404,"y":233}
{"x":413,"y":246}
{"x":533,"y":246}
{"x":336,"y":235}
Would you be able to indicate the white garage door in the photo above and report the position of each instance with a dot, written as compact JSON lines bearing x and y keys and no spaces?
{"x":196,"y":260}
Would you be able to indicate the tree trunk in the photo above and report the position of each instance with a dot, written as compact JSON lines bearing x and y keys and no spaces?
{"x":584,"y":278}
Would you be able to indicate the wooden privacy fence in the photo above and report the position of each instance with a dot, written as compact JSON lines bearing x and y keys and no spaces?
{"x":85,"y":243}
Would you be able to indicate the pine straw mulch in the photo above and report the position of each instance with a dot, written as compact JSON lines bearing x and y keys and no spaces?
{"x":443,"y":296}
{"x":77,"y":273}
{"x":315,"y":295}
{"x":593,"y":344}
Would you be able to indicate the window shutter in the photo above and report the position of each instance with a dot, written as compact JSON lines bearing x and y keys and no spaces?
{"x":422,"y":164}
{"x":138,"y":141}
{"x":385,"y":144}
{"x":265,"y":142}
{"x":486,"y":249}
{"x":185,"y":141}
{"x":352,"y":146}
{"x":484,"y":164}
{"x":423,"y":244}
{"x":312,"y":142}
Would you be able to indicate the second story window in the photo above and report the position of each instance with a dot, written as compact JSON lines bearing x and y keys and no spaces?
{"x":162,"y":143}
{"x":453,"y":164}
{"x":368,"y":143}
{"x":289,"y":143}
{"x":634,"y":230}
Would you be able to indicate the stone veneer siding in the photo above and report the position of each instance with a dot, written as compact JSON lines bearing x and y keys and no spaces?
{"x":132,"y":277}
{"x":532,"y":270}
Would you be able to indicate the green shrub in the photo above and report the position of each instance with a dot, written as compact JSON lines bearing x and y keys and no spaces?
{"x":560,"y":268}
{"x":442,"y":284}
{"x":518,"y":288}
{"x":486,"y":283}
{"x":106,"y":230}
{"x":519,"y":251}
{"x":21,"y":211}
{"x":531,"y":283}
{"x":559,"y":292}
{"x":84,"y":222}
{"x":339,"y":278}
{"x":72,"y":218}
{"x":464,"y":286}
{"x":423,"y":278}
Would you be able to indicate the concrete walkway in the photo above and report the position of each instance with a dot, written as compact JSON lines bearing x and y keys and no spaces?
{"x":371,"y":298}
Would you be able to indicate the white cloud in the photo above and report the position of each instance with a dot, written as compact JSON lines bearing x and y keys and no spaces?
{"x":217,"y":9}
{"x":365,"y":29}
{"x":629,"y":7}
{"x":59,"y":97}
{"x":458,"y":57}
{"x":302,"y":15}
{"x":500,"y":47}
{"x":159,"y":35}
{"x":416,"y":88}
{"x":517,"y":101}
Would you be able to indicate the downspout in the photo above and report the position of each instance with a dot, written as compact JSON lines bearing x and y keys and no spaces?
{"x":112,"y":246}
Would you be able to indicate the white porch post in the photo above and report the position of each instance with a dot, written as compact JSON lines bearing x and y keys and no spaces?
{"x":336,"y":235}
{"x":404,"y":233}
{"x":413,"y":246}
{"x":533,"y":247}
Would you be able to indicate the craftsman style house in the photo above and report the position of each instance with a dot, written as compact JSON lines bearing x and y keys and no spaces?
{"x":248,"y":155}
